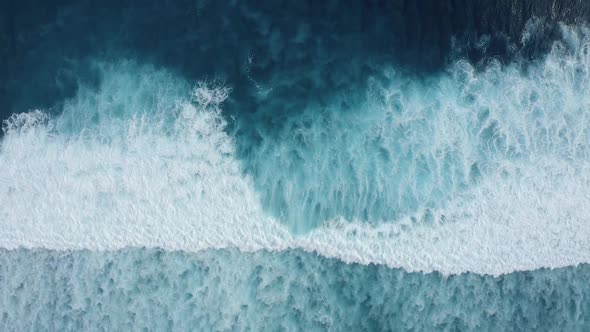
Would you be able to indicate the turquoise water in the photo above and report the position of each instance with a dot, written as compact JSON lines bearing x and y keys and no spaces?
{"x":289,"y":291}
{"x":247,"y":172}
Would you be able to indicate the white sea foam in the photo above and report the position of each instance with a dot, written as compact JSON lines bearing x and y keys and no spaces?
{"x":133,"y":165}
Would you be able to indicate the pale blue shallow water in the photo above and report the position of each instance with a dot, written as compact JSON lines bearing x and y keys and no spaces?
{"x":288,"y":166}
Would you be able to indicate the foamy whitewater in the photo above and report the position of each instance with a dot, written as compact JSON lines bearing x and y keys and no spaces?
{"x":454,"y":200}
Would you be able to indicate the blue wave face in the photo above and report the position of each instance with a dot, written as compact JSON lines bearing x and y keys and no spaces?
{"x":226,"y":290}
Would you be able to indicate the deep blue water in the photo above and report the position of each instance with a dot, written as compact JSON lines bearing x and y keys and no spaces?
{"x":283,"y":165}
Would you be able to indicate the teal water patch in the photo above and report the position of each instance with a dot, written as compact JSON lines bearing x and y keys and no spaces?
{"x":227,"y":290}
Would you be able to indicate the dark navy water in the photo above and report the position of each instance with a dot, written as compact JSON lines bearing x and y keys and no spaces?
{"x":46,"y":46}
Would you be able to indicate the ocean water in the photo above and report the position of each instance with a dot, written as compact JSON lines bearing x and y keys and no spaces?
{"x":138,"y":289}
{"x":276,"y":176}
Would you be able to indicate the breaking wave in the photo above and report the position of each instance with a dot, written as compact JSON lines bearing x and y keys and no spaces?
{"x":473,"y":169}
